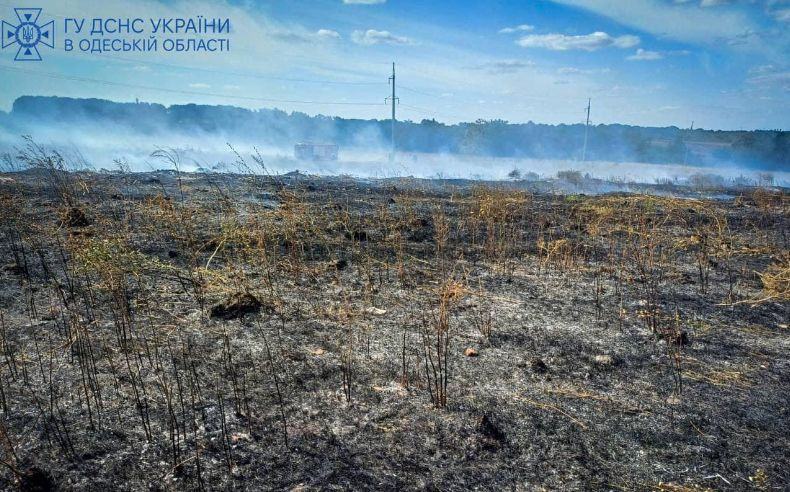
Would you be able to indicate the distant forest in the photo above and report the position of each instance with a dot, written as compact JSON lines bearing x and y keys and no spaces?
{"x":763,"y":149}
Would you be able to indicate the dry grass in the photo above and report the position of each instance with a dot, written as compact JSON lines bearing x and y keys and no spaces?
{"x":358,"y":303}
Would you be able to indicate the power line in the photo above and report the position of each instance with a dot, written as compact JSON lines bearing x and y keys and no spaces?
{"x":250,"y":75}
{"x":432,"y":112}
{"x":418,"y":92}
{"x":424,"y":111}
{"x":241,"y":74}
{"x":178,"y":91}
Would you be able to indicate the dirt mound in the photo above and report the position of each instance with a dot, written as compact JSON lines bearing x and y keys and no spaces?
{"x":681,"y":338}
{"x":14,"y":269}
{"x":492,"y":435}
{"x":36,"y":480}
{"x":538,"y":366}
{"x":74,"y":217}
{"x":237,"y":306}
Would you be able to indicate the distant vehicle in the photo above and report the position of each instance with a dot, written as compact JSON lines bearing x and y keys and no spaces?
{"x":315,"y":152}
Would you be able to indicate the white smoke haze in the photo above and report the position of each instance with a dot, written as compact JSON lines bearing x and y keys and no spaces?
{"x":368,"y":158}
{"x":86,"y":143}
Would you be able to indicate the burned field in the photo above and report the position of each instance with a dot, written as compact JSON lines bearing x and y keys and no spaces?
{"x":226,"y":331}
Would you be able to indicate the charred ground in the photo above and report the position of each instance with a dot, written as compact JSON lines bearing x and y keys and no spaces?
{"x":169,"y":330}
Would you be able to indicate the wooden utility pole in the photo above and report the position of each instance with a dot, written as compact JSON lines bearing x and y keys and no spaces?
{"x":392,"y":99}
{"x":686,"y":145}
{"x":586,"y":126}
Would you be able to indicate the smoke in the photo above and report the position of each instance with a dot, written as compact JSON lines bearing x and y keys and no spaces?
{"x":98,"y":134}
{"x":208,"y":152}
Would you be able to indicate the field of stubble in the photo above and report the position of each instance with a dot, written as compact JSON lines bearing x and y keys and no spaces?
{"x":205,"y":331}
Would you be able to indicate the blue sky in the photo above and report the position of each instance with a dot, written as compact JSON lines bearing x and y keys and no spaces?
{"x":722,"y":64}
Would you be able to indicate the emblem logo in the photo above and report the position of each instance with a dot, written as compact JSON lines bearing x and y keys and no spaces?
{"x":28,"y":34}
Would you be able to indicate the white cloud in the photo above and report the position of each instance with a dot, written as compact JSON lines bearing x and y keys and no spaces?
{"x":782,"y":15}
{"x":684,"y":22}
{"x":363,"y":2}
{"x":504,"y":66}
{"x":645,"y":55}
{"x":372,"y":36}
{"x":770,"y":76}
{"x":588,"y":42}
{"x":577,"y":71}
{"x":705,"y":3}
{"x":742,"y":38}
{"x":762,"y":69}
{"x":327,"y":34}
{"x":520,"y":27}
{"x":298,"y":36}
{"x":199,"y":85}
{"x":256,"y":49}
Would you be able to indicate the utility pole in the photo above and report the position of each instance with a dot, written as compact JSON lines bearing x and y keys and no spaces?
{"x":686,"y":145}
{"x":586,"y":126}
{"x":392,"y":99}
